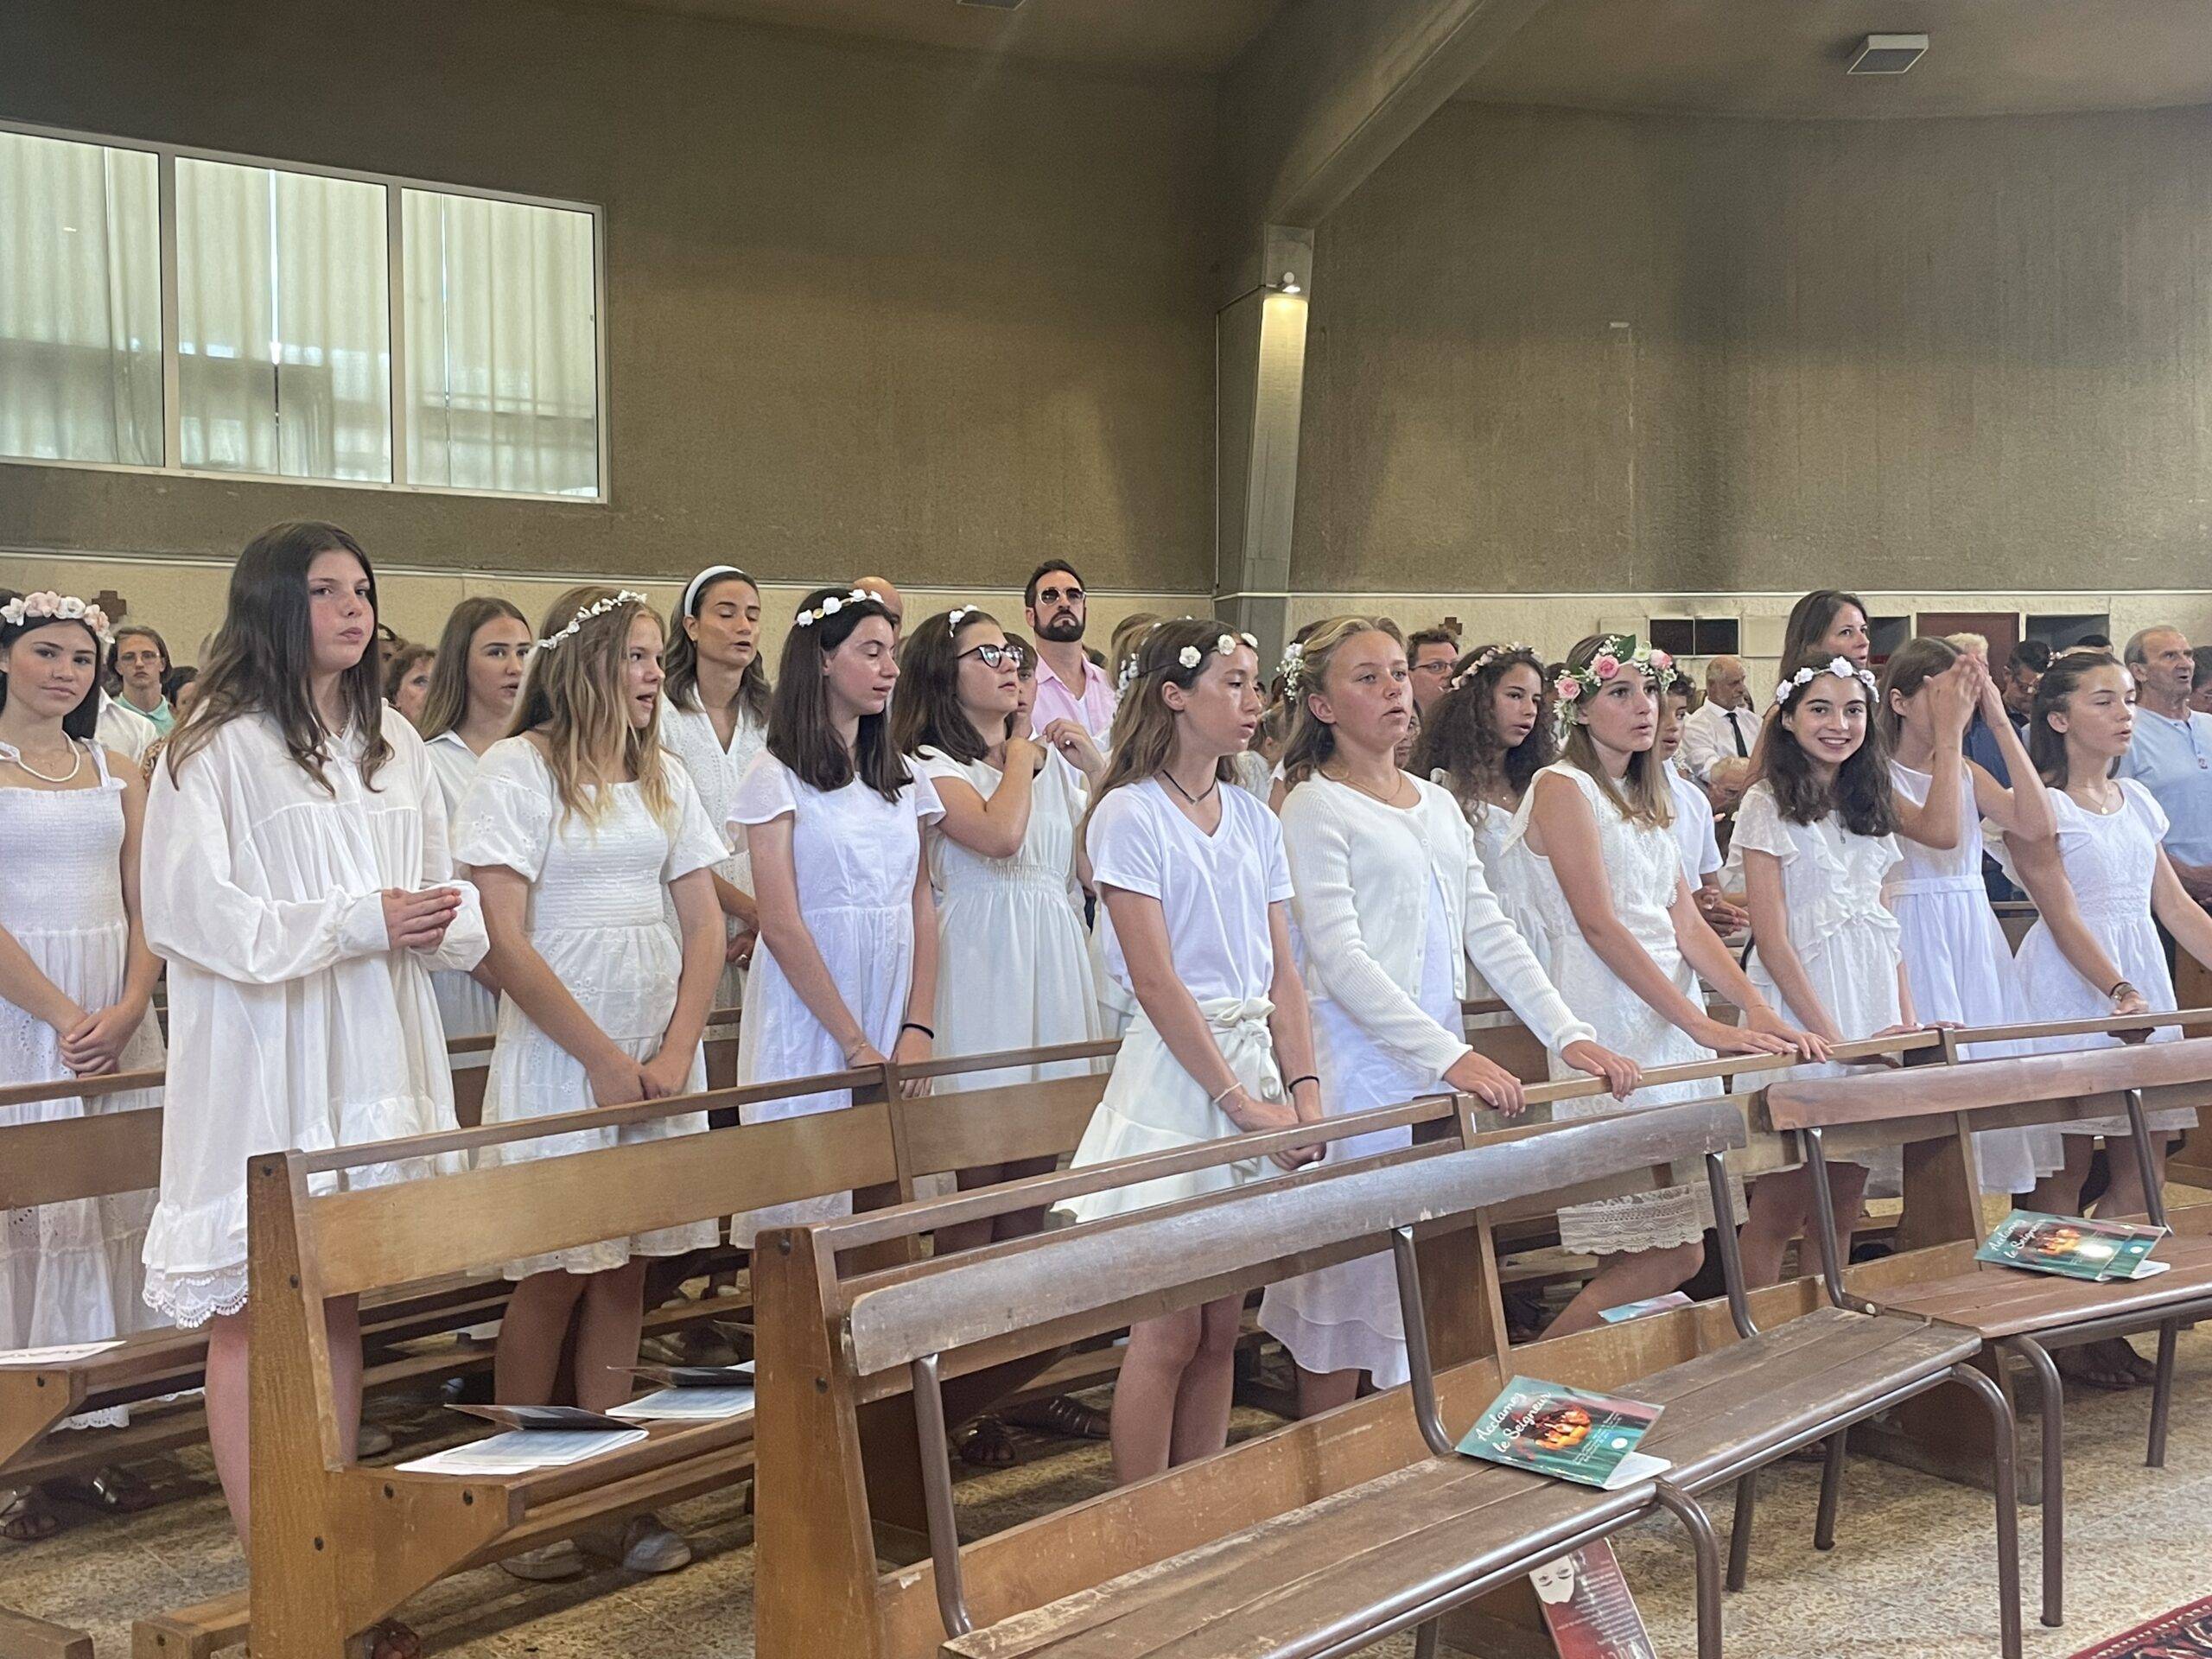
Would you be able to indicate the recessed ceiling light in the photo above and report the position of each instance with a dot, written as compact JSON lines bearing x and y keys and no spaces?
{"x":1888,"y":54}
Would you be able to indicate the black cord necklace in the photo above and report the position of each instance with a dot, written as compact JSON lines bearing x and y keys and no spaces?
{"x":1195,"y":800}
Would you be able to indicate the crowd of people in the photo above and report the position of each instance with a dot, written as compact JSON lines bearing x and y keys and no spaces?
{"x":1275,"y":883}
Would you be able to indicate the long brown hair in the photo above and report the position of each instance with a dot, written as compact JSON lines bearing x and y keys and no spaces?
{"x":1911,"y":665}
{"x":1861,"y":794}
{"x":2046,"y":745}
{"x":1314,"y":739}
{"x":1460,"y":738}
{"x":926,"y":713}
{"x":1144,"y":726}
{"x":682,"y":686}
{"x":1643,"y":793}
{"x":446,"y":705}
{"x":261,"y":654}
{"x":573,"y":697}
{"x":799,"y":732}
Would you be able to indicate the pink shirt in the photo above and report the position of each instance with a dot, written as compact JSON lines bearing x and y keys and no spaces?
{"x":1093,"y":710}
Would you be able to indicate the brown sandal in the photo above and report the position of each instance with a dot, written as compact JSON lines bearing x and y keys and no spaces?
{"x":988,"y":1446}
{"x":390,"y":1640}
{"x":25,"y":1520}
{"x":1070,"y":1418}
{"x":114,"y":1490}
{"x":2094,"y":1370}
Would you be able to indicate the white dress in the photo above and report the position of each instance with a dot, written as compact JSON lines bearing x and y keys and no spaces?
{"x":465,"y":1008}
{"x":2110,"y":859}
{"x":1960,"y":968}
{"x":855,"y":856}
{"x":689,"y":733}
{"x":1013,"y":962}
{"x":293,"y":1023}
{"x":70,"y":1272}
{"x":1385,"y":1030}
{"x":1644,"y":872}
{"x":596,"y":917}
{"x":1844,"y":936}
{"x":1214,"y":891}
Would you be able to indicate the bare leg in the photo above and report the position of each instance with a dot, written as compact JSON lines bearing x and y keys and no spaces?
{"x":227,"y":1393}
{"x":1629,"y":1278}
{"x":968,"y":1235}
{"x":1144,"y":1396}
{"x":1320,"y":1391}
{"x":607,"y":1335}
{"x":1780,"y":1209}
{"x":2059,"y":1193}
{"x":1209,"y":1381}
{"x":2125,"y":1196}
{"x":527,"y":1362}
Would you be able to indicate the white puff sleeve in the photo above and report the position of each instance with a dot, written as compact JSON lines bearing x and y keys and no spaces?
{"x":506,"y":818}
{"x":1759,"y":828}
{"x":694,"y":844}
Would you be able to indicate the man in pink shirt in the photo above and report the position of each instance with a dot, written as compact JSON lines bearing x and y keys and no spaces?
{"x":1070,"y":686}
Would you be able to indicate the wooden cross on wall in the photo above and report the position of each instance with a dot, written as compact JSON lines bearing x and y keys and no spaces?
{"x":112,"y":605}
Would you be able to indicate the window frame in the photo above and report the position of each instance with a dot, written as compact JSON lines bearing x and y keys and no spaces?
{"x":166,"y":157}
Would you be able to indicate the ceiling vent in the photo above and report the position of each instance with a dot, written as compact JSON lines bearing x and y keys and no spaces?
{"x":1888,"y":54}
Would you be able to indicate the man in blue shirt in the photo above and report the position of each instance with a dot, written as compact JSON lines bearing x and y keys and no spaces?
{"x":2017,"y":683}
{"x":2171,"y":751}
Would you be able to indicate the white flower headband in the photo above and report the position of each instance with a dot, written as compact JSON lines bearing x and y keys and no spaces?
{"x":1841,"y":667}
{"x":832,"y":605}
{"x":1482,"y":659}
{"x":576,"y":622}
{"x":958,"y":614}
{"x":1190,"y":656}
{"x":1616,"y":653}
{"x":1291,"y":669}
{"x":57,"y":608}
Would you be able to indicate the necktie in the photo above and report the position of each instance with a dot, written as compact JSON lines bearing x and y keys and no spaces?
{"x":1737,"y":732}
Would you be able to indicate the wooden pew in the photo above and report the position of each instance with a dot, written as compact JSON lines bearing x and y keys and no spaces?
{"x":822,"y":1365}
{"x":2016,"y":1312}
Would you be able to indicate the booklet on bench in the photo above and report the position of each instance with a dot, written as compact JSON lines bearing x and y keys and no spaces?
{"x":536,"y":1437}
{"x":1570,"y":1433}
{"x":2073,"y":1245}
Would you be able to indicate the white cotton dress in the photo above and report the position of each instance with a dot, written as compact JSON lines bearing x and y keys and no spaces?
{"x":1844,"y":936}
{"x":2110,"y":859}
{"x":465,"y":1008}
{"x":1644,"y":872}
{"x":1013,"y":961}
{"x":689,"y":733}
{"x":1960,"y":968}
{"x":597,"y":892}
{"x":70,"y":1272}
{"x":1368,"y":877}
{"x":856,"y":857}
{"x":1214,"y":891}
{"x":293,"y":1023}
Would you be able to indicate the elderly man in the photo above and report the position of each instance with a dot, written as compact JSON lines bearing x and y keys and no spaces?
{"x":1070,"y":686}
{"x":1719,"y":735}
{"x":2171,"y":751}
{"x":881,"y":587}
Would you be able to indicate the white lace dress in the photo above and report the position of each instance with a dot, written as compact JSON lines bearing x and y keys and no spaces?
{"x":2110,"y":859}
{"x":1644,"y":870}
{"x":70,"y":1272}
{"x":465,"y":1008}
{"x":689,"y":733}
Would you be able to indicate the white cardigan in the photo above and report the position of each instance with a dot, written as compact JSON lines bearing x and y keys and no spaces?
{"x":1362,"y":872}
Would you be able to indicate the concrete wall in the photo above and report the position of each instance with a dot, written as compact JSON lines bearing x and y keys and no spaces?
{"x":1559,"y":351}
{"x":868,"y":306}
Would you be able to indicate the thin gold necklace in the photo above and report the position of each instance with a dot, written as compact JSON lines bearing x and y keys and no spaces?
{"x":1391,"y":799}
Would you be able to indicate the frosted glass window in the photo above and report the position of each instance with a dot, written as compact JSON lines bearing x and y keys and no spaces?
{"x":502,"y":344}
{"x":80,"y":302}
{"x":283,"y":323}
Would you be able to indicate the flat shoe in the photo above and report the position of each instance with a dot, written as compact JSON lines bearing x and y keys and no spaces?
{"x":649,"y":1547}
{"x":1061,"y":1415}
{"x":374,"y":1441}
{"x":548,"y":1563}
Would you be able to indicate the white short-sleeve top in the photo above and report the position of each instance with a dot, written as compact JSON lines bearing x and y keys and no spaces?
{"x":851,"y":848}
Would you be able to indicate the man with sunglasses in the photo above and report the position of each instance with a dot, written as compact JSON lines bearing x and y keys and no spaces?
{"x":1070,"y":686}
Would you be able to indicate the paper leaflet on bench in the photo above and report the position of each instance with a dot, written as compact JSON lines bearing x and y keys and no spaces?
{"x":690,"y":1393}
{"x":1569,"y":1434}
{"x":32,"y":1358}
{"x":537,"y":1436}
{"x":2072,"y":1247}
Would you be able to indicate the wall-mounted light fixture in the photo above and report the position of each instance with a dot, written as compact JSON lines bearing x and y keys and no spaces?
{"x":1286,"y":284}
{"x":1887,"y":54}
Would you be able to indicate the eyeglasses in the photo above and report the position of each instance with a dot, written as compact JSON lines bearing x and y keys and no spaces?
{"x":996,"y":656}
{"x":1054,"y":595}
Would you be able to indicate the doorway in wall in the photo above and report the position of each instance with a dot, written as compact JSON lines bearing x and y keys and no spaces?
{"x":2000,"y":628}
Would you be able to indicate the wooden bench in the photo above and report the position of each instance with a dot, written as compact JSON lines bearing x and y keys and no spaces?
{"x":2016,"y":1312}
{"x":1315,"y":1538}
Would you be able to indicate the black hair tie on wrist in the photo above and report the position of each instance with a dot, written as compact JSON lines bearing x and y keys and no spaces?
{"x":916,"y":1024}
{"x":1294,"y":1082}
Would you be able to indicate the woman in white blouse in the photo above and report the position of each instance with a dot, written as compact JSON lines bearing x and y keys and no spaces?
{"x":1390,"y":906}
{"x":296,"y":878}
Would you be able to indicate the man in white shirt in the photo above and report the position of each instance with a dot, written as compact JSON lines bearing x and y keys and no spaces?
{"x":1070,"y":686}
{"x":2171,"y":751}
{"x":123,"y":729}
{"x":1718,"y":738}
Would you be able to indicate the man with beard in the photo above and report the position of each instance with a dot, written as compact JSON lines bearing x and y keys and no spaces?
{"x":1070,"y":686}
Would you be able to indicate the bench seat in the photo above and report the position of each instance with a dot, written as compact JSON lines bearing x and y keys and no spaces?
{"x":1994,"y":1300}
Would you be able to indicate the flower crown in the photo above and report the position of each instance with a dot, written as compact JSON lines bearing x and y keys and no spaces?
{"x":1291,"y":669}
{"x":832,"y":605}
{"x":1488,"y":654}
{"x":598,"y":609}
{"x":57,"y":608}
{"x":958,"y":614}
{"x":1842,"y":667}
{"x":1190,"y":656}
{"x":1616,"y":653}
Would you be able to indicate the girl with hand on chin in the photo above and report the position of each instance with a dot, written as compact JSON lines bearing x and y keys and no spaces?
{"x":1193,"y":874}
{"x":581,"y":831}
{"x":297,"y":881}
{"x":832,"y":816}
{"x":1594,"y":857}
{"x":1391,"y":906}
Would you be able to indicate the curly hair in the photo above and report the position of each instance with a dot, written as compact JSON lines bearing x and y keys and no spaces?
{"x":1460,"y":739}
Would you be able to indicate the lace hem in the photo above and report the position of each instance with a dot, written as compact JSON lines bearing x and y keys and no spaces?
{"x":190,"y":1299}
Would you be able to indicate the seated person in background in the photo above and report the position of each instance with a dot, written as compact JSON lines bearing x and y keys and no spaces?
{"x":1694,"y":815}
{"x":1718,"y":735}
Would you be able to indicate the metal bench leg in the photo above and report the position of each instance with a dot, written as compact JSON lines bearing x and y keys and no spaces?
{"x":1831,"y":1491}
{"x":2053,"y":1396}
{"x":2162,"y":1393}
{"x":1426,"y":1638}
{"x":1706,"y":1546}
{"x":1739,"y":1534}
{"x":2003,"y":1476}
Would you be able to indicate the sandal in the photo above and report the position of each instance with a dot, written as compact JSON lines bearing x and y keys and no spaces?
{"x":2092,"y":1369}
{"x":390,"y":1640}
{"x":115,"y":1490}
{"x":1068,"y":1418}
{"x":2120,"y":1352}
{"x":25,"y":1520}
{"x":988,"y":1446}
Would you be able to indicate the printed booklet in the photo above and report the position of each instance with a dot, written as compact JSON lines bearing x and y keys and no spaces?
{"x":2073,"y":1245}
{"x":1569,"y":1434}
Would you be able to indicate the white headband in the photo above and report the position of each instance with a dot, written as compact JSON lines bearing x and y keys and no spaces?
{"x":710,"y":574}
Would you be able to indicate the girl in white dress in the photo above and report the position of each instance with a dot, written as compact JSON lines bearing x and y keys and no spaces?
{"x":1390,"y":906}
{"x":1956,"y":959}
{"x":1817,"y":834}
{"x":846,"y":970}
{"x":1487,"y":738}
{"x":1192,"y":869}
{"x":1594,"y":860}
{"x":296,"y":878}
{"x":2102,"y":885}
{"x":76,"y":979}
{"x":469,"y":708}
{"x":716,"y":720}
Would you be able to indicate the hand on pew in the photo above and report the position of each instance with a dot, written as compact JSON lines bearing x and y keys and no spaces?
{"x":1763,"y":1033}
{"x":1492,"y":1085}
{"x":1621,"y":1073}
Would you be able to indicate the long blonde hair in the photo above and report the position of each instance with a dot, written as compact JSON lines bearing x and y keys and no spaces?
{"x":572,"y":695}
{"x":1314,"y":739}
{"x":1144,"y":726}
{"x":1642,"y":794}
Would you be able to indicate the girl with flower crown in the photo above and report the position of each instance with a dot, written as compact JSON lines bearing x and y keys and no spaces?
{"x":1487,"y":737}
{"x":75,"y":981}
{"x":580,"y":831}
{"x":1191,"y":870}
{"x":1593,"y":857}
